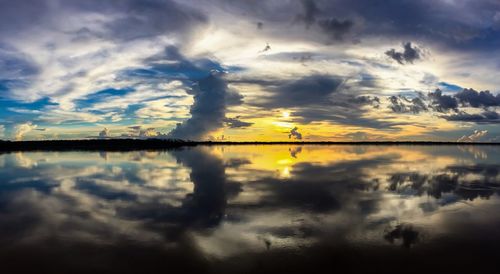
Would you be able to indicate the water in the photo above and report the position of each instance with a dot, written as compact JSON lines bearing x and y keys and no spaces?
{"x":252,"y":209}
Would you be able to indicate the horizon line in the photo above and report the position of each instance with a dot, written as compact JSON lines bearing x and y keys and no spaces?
{"x":221,"y":142}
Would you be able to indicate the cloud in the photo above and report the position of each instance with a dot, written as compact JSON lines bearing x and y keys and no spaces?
{"x":309,"y":90}
{"x":124,"y":20}
{"x":358,"y":136}
{"x":23,"y":129}
{"x":486,"y":117}
{"x":139,"y":132}
{"x":148,"y":133}
{"x":310,"y":11}
{"x":311,"y":16}
{"x":133,"y":131}
{"x":295,"y":134}
{"x":208,"y":110}
{"x":401,"y":104}
{"x":470,"y":97}
{"x":267,"y":48}
{"x":437,"y":101}
{"x":204,"y":79}
{"x":91,"y":39}
{"x":449,"y":23}
{"x":475,"y":136}
{"x":2,"y":131}
{"x":124,"y":46}
{"x":408,"y":56}
{"x":319,"y":97}
{"x":105,"y":133}
{"x":16,"y":68}
{"x":236,"y":123}
{"x":335,"y":28}
{"x":442,"y":103}
{"x":140,"y":19}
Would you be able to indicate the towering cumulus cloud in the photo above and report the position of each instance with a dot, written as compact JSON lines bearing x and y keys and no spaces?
{"x":22,"y":129}
{"x":202,"y":78}
{"x":207,"y":111}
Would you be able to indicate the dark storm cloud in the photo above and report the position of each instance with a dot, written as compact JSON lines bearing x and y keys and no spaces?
{"x":450,"y":23}
{"x":310,"y":90}
{"x":208,"y":110}
{"x":310,"y":12}
{"x":486,"y":117}
{"x":130,"y":19}
{"x":236,"y":123}
{"x":438,"y":21}
{"x":14,"y":64}
{"x":336,"y":29}
{"x":152,"y":18}
{"x":442,"y":103}
{"x":401,"y":104}
{"x":437,"y":101}
{"x":407,"y":56}
{"x":470,"y":97}
{"x":17,"y":70}
{"x":16,"y":16}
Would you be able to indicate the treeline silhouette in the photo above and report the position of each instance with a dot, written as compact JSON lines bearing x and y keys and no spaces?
{"x":93,"y":145}
{"x":153,"y":144}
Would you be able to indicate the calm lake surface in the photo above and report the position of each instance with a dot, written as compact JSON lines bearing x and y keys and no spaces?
{"x":252,"y":209}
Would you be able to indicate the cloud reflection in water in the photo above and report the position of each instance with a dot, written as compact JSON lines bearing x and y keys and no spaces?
{"x":227,"y":210}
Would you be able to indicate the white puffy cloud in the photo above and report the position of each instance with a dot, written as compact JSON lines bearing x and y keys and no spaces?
{"x":2,"y":131}
{"x":149,"y":132}
{"x":475,"y":136}
{"x":22,"y":129}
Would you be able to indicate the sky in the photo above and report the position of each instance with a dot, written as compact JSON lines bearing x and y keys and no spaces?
{"x":249,"y":70}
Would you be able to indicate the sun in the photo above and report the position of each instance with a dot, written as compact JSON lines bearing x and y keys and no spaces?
{"x":285,"y":114}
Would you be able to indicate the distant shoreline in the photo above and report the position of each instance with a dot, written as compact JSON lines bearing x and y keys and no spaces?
{"x":161,"y":144}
